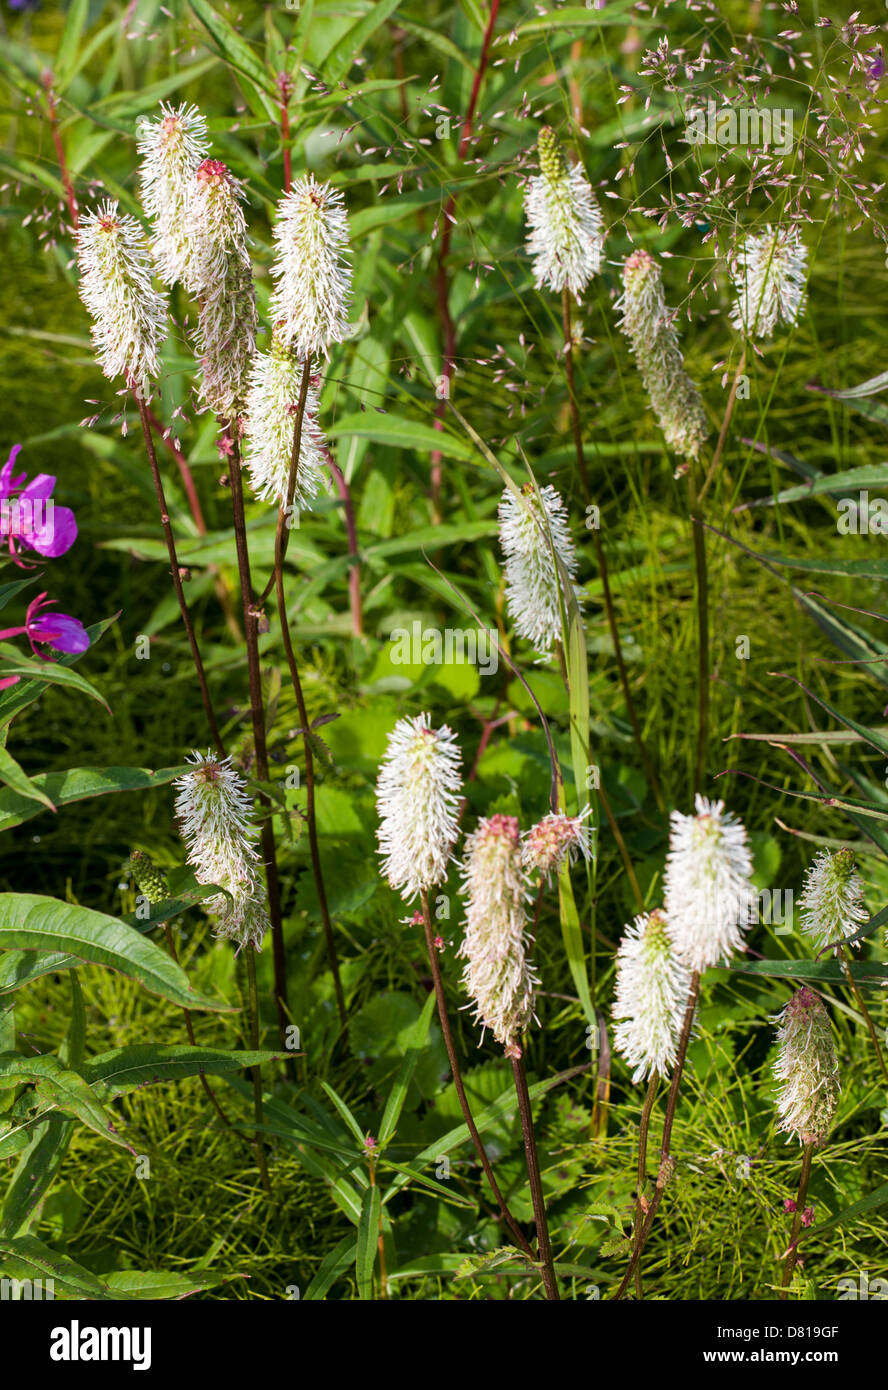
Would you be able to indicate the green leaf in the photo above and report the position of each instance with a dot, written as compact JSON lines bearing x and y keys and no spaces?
{"x":31,"y":922}
{"x":334,"y":1263}
{"x":58,"y":1088}
{"x":415,"y":1043}
{"x":235,"y":51}
{"x":51,"y":673}
{"x":24,"y":1257}
{"x":37,"y":1167}
{"x":350,"y":45}
{"x":15,"y":777}
{"x":826,"y":971}
{"x":877,"y":1198}
{"x":66,"y":55}
{"x":366,"y":1242}
{"x":577,"y":17}
{"x":137,"y":1283}
{"x":112,"y":1074}
{"x":400,"y":433}
{"x":79,"y":784}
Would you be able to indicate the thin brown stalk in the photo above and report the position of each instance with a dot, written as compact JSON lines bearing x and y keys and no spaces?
{"x":256,"y":1072}
{"x":666,"y":1162}
{"x":52,"y":111}
{"x":792,"y":1253}
{"x":257,"y":711}
{"x":640,"y":1200}
{"x":177,"y":575}
{"x":280,"y":550}
{"x":444,"y":1020}
{"x":601,"y":559}
{"x":550,"y":1283}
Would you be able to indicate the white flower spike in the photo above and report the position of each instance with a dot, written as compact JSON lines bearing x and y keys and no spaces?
{"x":417,"y":796}
{"x":650,"y":327}
{"x":650,"y":998}
{"x":807,"y":1069}
{"x":172,"y":149}
{"x":831,"y":904}
{"x":709,"y":895}
{"x":769,"y":282}
{"x":310,"y":299}
{"x":566,"y":240}
{"x":272,"y":400}
{"x":532,"y":578}
{"x":498,"y":975}
{"x":129,"y":316}
{"x":216,"y":822}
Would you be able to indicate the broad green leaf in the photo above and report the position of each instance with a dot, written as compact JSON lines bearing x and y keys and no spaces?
{"x":139,"y":1283}
{"x":79,"y":784}
{"x":58,"y":1088}
{"x":38,"y":1165}
{"x":24,"y":1257}
{"x":827,"y":971}
{"x":349,"y":47}
{"x":33,"y":923}
{"x":66,"y":54}
{"x":113,"y":1074}
{"x":877,"y":1198}
{"x":400,"y":433}
{"x":13,"y":776}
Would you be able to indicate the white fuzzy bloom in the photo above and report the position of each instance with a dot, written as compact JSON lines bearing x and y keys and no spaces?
{"x":129,"y":316}
{"x":807,"y":1068}
{"x":220,"y":276}
{"x":831,"y":904}
{"x":310,"y":300}
{"x":769,"y":281}
{"x":216,"y":822}
{"x":555,"y":838}
{"x":709,"y":894}
{"x":566,"y":240}
{"x":272,"y":400}
{"x":417,"y":799}
{"x":651,"y":997}
{"x":532,"y":578}
{"x":498,"y":976}
{"x":650,"y":327}
{"x":172,"y":148}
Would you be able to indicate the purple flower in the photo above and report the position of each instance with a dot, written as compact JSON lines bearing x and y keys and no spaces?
{"x":31,"y":518}
{"x":57,"y":630}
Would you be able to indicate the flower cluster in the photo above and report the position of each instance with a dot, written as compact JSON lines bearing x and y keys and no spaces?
{"x":272,"y":404}
{"x":417,"y":799}
{"x":769,"y":281}
{"x":650,"y":328}
{"x":217,"y":823}
{"x":831,"y":904}
{"x":807,"y":1069}
{"x":566,"y":240}
{"x":498,"y":976}
{"x":172,"y":149}
{"x":311,"y":296}
{"x":536,"y":544}
{"x":709,"y":895}
{"x":553,"y":839}
{"x":650,"y":997}
{"x":129,"y":316}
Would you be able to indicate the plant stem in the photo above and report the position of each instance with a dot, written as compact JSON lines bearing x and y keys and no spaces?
{"x":533,"y":1173}
{"x":723,"y":432}
{"x":256,"y":1072}
{"x":448,"y":329}
{"x":867,"y":1018}
{"x":189,"y":1029}
{"x":351,"y":530}
{"x":640,"y":1202}
{"x":177,"y":576}
{"x":282,"y":534}
{"x":51,"y":105}
{"x":702,"y":627}
{"x":458,"y":1082}
{"x":666,"y":1164}
{"x":791,"y":1253}
{"x":257,"y":711}
{"x":600,"y":557}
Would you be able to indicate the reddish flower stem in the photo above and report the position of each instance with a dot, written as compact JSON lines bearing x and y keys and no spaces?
{"x":442,"y":284}
{"x":52,"y":112}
